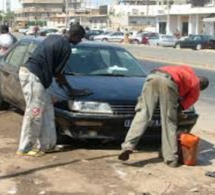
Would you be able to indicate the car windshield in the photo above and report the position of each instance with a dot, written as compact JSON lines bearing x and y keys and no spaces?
{"x":103,"y":61}
{"x":166,"y":37}
{"x":194,"y":37}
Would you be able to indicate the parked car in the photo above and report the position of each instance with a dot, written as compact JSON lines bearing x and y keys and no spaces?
{"x":143,"y":38}
{"x":111,"y":73}
{"x":163,"y":40}
{"x":91,"y":33}
{"x":48,"y":31}
{"x":197,"y":42}
{"x":30,"y":30}
{"x":92,"y":37}
{"x":23,"y":30}
{"x":110,"y":37}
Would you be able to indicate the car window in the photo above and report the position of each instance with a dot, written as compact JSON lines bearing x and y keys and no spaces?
{"x":153,"y":36}
{"x":84,"y":60}
{"x":128,"y":62}
{"x":31,"y":49}
{"x":105,"y":54}
{"x":117,"y":34}
{"x":197,"y":38}
{"x":16,"y":56}
{"x":95,"y":61}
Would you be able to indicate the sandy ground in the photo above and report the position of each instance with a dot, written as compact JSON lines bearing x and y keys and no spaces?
{"x":85,"y":170}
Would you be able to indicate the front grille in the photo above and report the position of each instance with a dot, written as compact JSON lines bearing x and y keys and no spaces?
{"x":124,"y":110}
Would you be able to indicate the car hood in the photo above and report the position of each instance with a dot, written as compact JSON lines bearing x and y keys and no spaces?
{"x":105,"y":89}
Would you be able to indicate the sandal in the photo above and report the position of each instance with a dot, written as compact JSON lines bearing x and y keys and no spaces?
{"x":49,"y":150}
{"x":31,"y":153}
{"x":210,"y":174}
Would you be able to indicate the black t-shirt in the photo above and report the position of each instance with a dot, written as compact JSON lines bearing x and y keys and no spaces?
{"x":49,"y":58}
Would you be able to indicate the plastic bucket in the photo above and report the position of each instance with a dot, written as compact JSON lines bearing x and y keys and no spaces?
{"x":188,"y":148}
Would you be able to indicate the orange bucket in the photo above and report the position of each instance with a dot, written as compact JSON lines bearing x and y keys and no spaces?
{"x":188,"y":148}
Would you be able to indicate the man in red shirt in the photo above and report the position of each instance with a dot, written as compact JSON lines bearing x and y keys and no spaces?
{"x":175,"y":88}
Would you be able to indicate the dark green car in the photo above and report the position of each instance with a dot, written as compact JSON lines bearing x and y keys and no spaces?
{"x":197,"y":42}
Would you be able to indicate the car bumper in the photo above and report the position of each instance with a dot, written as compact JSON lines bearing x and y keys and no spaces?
{"x":167,"y":44}
{"x":109,"y":127}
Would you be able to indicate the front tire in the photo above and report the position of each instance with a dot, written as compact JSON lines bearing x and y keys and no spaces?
{"x":104,"y":40}
{"x":198,"y":47}
{"x":178,"y":46}
{"x":135,"y":42}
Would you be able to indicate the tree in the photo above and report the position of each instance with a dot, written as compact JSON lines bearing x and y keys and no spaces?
{"x":1,"y":15}
{"x":9,"y":16}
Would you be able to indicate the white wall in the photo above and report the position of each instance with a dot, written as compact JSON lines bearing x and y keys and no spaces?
{"x":209,"y":28}
{"x":122,"y":10}
{"x":173,"y":24}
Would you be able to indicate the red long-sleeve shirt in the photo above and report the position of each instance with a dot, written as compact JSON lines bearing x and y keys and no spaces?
{"x":187,"y":81}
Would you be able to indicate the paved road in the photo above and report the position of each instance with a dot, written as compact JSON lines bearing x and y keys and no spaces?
{"x":202,"y":58}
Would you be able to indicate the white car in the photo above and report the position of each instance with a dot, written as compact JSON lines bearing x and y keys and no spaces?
{"x":163,"y":40}
{"x":30,"y":31}
{"x":48,"y":31}
{"x":110,"y":37}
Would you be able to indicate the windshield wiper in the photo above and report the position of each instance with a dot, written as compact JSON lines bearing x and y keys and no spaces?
{"x":110,"y":74}
{"x":73,"y":73}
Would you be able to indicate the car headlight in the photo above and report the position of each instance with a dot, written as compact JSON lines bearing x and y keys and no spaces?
{"x":90,"y":107}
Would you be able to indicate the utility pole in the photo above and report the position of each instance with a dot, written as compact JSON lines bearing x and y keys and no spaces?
{"x":147,"y":12}
{"x":66,"y":11}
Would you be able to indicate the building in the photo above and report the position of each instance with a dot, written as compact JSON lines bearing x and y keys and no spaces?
{"x":58,"y":13}
{"x":187,"y":19}
{"x":38,"y":11}
{"x":152,"y":2}
{"x":8,"y":5}
{"x":75,"y":4}
{"x":132,"y":16}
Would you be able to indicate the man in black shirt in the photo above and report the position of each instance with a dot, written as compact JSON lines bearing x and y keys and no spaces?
{"x":47,"y":61}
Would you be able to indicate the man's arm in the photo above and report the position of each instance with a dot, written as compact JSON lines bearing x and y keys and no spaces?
{"x":190,"y":98}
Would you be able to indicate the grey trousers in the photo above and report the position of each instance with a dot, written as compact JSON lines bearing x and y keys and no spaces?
{"x":157,"y":88}
{"x":38,"y":122}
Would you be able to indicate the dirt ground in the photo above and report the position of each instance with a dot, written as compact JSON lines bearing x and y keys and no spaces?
{"x":86,"y":170}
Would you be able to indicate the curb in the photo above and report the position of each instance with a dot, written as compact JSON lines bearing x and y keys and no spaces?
{"x":172,"y":61}
{"x":193,"y":64}
{"x":154,"y":46}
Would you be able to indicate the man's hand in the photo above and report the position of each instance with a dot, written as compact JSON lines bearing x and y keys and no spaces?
{"x":181,"y":115}
{"x":60,"y":79}
{"x":54,"y":99}
{"x":79,"y":92}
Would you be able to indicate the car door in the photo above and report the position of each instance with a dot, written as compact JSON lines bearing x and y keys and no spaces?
{"x":187,"y":42}
{"x":116,"y":37}
{"x":196,"y":40}
{"x":10,"y":85}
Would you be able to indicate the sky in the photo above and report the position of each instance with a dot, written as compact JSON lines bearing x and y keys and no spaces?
{"x":15,"y":3}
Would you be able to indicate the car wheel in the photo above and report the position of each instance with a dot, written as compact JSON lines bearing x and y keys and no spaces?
{"x":136,"y":42}
{"x":104,"y":40}
{"x":178,"y":46}
{"x":198,"y":47}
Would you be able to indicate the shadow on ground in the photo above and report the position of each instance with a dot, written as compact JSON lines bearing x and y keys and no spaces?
{"x":206,"y":153}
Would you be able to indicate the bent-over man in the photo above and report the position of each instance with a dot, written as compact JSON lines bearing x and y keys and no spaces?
{"x":174,"y":88}
{"x":47,"y":61}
